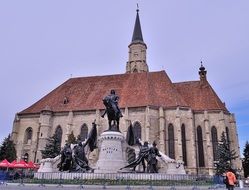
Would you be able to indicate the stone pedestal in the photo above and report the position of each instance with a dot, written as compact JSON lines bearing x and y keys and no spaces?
{"x":46,"y":167}
{"x":112,"y":152}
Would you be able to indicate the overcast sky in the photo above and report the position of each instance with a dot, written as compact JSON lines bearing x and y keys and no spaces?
{"x":43,"y":43}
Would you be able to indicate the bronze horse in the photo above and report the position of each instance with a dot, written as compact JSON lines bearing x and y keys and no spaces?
{"x":112,"y":110}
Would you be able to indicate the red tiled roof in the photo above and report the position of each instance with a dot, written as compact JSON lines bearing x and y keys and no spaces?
{"x":134,"y":90}
{"x":200,"y":96}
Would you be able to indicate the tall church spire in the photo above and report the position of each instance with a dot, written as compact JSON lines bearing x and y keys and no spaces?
{"x":137,"y":50}
{"x":137,"y":33}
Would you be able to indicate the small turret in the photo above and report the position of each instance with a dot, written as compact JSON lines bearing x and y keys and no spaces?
{"x":202,"y":73}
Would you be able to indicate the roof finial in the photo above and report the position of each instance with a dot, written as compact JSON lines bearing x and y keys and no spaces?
{"x":202,"y":72}
{"x":137,"y":8}
{"x":202,"y":68}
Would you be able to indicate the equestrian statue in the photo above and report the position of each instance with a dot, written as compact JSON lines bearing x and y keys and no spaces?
{"x":112,"y":109}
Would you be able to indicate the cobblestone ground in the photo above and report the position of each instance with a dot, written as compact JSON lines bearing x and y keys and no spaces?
{"x":91,"y":187}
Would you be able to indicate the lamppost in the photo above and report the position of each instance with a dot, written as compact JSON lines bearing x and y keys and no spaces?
{"x":25,"y":157}
{"x":241,"y":185}
{"x":215,"y":165}
{"x":239,"y":172}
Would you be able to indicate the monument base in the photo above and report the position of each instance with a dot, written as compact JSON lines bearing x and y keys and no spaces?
{"x":112,"y":152}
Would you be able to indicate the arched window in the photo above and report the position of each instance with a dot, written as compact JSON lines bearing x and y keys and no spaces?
{"x":58,"y":133}
{"x":28,"y":135}
{"x":228,"y":137}
{"x":171,"y":144}
{"x":137,"y":130}
{"x":184,"y":146}
{"x":201,"y":160}
{"x":214,"y":142}
{"x":83,"y":132}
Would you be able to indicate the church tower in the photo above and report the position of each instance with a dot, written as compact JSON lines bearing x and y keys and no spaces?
{"x":203,"y":74}
{"x":137,"y":51}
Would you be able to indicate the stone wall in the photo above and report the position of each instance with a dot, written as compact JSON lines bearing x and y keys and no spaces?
{"x":154,"y":124}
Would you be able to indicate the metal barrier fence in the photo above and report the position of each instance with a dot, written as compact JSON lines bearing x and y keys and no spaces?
{"x":125,"y":179}
{"x":119,"y":179}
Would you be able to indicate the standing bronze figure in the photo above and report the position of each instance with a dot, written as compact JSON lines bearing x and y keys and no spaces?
{"x":76,"y":160}
{"x":142,"y":157}
{"x":112,"y":109}
{"x":81,"y":162}
{"x":66,"y":158}
{"x":152,"y":160}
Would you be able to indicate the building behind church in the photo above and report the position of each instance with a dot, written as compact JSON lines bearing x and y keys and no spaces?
{"x":186,"y":118}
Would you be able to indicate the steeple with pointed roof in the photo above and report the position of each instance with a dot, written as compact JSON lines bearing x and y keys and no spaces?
{"x":137,"y":50}
{"x":137,"y":33}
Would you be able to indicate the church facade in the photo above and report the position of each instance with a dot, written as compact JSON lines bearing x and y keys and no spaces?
{"x":186,"y":119}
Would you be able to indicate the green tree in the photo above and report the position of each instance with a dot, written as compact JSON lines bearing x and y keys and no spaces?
{"x":224,"y":156}
{"x":52,"y":148}
{"x":7,"y":149}
{"x":71,"y":138}
{"x":245,"y":161}
{"x":78,"y":138}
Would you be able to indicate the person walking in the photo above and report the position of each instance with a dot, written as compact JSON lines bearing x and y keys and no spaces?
{"x":230,"y":179}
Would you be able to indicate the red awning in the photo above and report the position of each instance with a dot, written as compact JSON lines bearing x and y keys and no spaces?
{"x":21,"y":164}
{"x":4,"y":164}
{"x":11,"y":165}
{"x":31,"y":165}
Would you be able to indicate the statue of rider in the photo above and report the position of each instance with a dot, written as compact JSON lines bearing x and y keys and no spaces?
{"x":113,"y":100}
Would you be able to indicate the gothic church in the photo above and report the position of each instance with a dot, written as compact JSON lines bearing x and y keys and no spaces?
{"x":186,"y":118}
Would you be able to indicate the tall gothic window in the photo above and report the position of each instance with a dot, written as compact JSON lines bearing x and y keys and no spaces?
{"x":214,"y":141}
{"x":137,"y":129}
{"x":28,"y":135}
{"x":200,"y":147}
{"x":171,"y":144}
{"x":165,"y":139}
{"x":184,"y":146}
{"x":228,"y":137}
{"x":58,"y":133}
{"x":83,"y":132}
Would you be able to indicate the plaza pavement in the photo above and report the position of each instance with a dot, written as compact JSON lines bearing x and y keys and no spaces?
{"x":16,"y":186}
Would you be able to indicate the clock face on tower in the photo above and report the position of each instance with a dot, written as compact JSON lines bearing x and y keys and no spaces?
{"x":135,"y":54}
